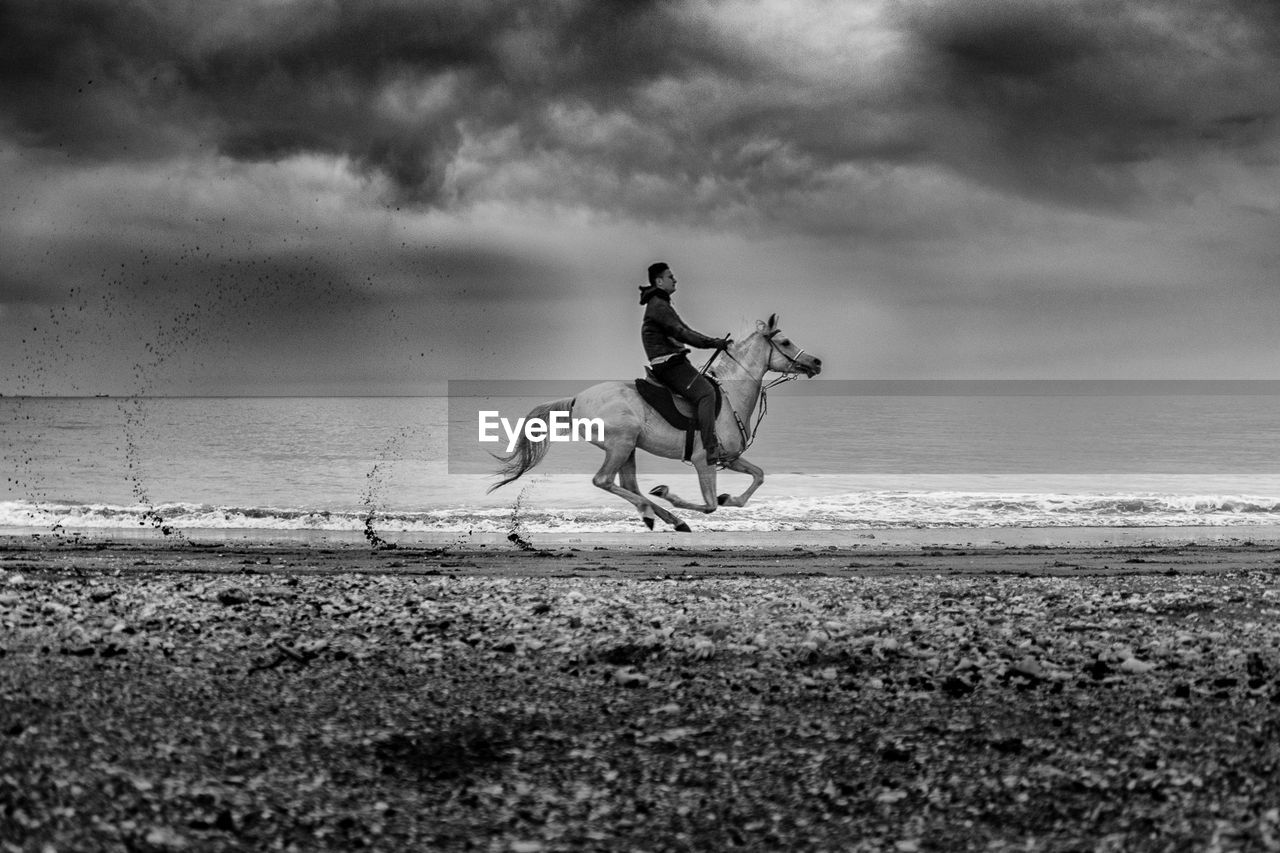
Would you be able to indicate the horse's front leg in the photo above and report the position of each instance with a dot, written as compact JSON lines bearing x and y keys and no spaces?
{"x":707,"y":482}
{"x":742,"y":466}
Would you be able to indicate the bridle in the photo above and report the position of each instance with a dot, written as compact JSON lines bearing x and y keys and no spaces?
{"x":794,"y":359}
{"x":773,"y":345}
{"x":749,"y":436}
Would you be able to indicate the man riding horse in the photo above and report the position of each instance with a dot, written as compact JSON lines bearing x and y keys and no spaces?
{"x":632,"y":423}
{"x":662,"y":334}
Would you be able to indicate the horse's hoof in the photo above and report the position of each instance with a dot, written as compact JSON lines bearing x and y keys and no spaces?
{"x":659,"y":491}
{"x":723,"y":499}
{"x":648,"y":522}
{"x":683,"y":528}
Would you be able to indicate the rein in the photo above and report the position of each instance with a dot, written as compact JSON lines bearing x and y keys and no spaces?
{"x":748,"y":437}
{"x":711,"y":360}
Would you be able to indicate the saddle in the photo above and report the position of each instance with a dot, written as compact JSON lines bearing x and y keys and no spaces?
{"x":675,"y":409}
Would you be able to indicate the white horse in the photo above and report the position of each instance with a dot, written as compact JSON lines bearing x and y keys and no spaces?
{"x":630,"y":423}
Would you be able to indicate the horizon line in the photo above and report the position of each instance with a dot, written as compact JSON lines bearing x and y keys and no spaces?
{"x":818,"y":387}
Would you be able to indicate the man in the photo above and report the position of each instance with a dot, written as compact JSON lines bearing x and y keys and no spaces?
{"x":662,"y":333}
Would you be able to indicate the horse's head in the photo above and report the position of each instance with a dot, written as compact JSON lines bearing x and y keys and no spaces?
{"x":785,"y":356}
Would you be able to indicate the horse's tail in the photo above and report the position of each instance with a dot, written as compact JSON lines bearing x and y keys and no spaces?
{"x":528,"y":453}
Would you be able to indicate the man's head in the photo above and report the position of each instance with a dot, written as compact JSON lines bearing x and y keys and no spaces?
{"x":661,"y":276}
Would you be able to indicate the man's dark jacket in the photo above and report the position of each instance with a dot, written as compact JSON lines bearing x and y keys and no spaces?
{"x":662,"y":331}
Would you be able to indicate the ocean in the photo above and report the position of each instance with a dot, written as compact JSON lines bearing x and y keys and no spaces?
{"x":837,"y":461}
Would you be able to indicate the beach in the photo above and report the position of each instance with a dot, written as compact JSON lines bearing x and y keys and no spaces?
{"x":295,"y":292}
{"x":962,"y":689}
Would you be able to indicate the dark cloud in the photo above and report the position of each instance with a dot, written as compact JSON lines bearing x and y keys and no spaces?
{"x":650,"y":107}
{"x":17,"y":289}
{"x":1067,"y":100}
{"x":74,"y":78}
{"x":386,"y":83}
{"x":229,"y":271}
{"x":123,"y":80}
{"x":141,"y":307}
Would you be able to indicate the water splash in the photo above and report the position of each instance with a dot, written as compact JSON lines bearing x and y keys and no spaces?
{"x":515,"y":533}
{"x":133,"y":413}
{"x":376,"y":483}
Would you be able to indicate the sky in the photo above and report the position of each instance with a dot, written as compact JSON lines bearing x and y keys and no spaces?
{"x":377,"y":197}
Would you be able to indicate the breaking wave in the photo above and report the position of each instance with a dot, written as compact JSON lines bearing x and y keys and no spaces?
{"x":848,"y":511}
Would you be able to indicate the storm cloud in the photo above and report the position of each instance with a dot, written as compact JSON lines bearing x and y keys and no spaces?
{"x":653,"y":105}
{"x":396,"y":87}
{"x":354,"y":186}
{"x":1076,"y":100}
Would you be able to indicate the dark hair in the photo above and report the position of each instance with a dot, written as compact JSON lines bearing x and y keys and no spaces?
{"x":655,"y":270}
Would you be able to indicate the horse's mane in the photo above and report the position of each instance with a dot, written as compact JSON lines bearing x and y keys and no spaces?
{"x":750,"y":327}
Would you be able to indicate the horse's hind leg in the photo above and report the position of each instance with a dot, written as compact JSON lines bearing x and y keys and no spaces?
{"x":627,"y":479}
{"x":615,"y":457}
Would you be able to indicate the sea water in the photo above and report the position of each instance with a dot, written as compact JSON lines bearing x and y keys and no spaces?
{"x":833,"y":462}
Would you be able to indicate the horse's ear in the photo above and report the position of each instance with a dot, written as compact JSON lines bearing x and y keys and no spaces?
{"x":761,"y":325}
{"x":773,"y":322}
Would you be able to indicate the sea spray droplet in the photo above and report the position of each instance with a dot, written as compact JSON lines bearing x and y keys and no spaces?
{"x":376,"y":483}
{"x":515,"y":534}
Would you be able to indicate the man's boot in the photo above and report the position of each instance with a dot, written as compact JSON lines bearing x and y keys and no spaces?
{"x":707,"y":426}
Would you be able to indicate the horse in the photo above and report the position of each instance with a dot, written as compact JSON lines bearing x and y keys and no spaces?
{"x":630,"y":423}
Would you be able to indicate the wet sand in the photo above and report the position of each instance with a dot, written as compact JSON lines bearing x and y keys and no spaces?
{"x":1038,"y":551}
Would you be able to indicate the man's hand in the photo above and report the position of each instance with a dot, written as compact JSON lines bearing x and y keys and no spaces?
{"x":723,"y":343}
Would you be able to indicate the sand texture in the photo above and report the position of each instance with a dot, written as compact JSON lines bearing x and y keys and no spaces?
{"x":185,"y":696}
